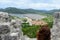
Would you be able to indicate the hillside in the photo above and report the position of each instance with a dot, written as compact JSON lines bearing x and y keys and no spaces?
{"x":24,"y":11}
{"x":21,"y":11}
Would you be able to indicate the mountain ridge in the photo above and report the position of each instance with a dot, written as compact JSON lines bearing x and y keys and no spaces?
{"x":24,"y":11}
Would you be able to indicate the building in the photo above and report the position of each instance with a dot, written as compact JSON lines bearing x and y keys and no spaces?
{"x":40,"y":22}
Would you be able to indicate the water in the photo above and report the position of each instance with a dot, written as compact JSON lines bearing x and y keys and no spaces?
{"x":32,"y":16}
{"x":18,"y":15}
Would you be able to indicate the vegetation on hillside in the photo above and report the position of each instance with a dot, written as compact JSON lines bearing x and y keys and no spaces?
{"x":32,"y":30}
{"x":24,"y":11}
{"x":49,"y":20}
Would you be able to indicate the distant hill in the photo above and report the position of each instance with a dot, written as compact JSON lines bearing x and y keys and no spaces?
{"x":24,"y":11}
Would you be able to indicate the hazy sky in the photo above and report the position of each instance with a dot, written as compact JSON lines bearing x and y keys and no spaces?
{"x":34,"y":4}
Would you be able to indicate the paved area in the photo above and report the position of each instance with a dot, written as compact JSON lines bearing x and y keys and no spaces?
{"x":33,"y":39}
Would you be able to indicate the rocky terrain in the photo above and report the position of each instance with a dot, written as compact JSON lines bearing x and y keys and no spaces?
{"x":9,"y":29}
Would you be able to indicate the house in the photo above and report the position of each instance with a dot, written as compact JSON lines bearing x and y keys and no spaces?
{"x":36,"y":22}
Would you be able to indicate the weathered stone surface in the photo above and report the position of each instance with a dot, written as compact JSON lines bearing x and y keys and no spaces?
{"x":10,"y":38}
{"x":4,"y":29}
{"x":9,"y":30}
{"x":55,"y":31}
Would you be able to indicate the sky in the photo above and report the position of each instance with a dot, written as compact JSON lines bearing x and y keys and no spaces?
{"x":31,"y":4}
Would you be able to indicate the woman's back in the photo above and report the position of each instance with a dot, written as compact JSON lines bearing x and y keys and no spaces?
{"x":44,"y":33}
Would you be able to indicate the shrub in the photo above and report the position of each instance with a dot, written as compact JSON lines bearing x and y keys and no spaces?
{"x":49,"y":20}
{"x":24,"y":19}
{"x":25,"y":25}
{"x":31,"y":31}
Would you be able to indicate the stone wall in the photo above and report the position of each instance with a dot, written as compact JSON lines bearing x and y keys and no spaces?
{"x":55,"y":31}
{"x":9,"y":30}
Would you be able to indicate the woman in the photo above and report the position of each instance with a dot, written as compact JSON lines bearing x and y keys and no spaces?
{"x":44,"y":33}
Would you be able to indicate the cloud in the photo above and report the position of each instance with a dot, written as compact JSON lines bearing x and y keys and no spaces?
{"x":34,"y":4}
{"x":44,"y":6}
